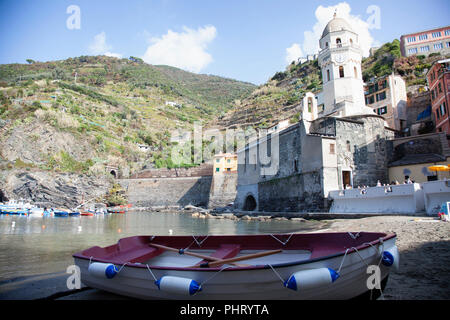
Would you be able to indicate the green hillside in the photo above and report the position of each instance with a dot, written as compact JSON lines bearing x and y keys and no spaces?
{"x":81,"y":114}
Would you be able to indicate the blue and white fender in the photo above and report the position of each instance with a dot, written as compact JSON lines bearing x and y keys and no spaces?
{"x":307,"y":279}
{"x":178,"y":285}
{"x":102,"y":270}
{"x":391,"y":258}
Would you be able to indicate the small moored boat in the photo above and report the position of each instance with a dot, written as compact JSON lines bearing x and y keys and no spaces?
{"x":233,"y":267}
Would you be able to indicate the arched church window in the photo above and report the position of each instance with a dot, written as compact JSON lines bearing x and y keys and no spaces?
{"x":339,"y":42}
{"x":310,"y":104}
{"x":351,"y":41}
{"x":326,"y":44}
{"x":328,"y":75}
{"x":341,"y":71}
{"x":356,"y":72}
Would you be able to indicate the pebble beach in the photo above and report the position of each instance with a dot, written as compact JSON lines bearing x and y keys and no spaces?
{"x":424,"y":247}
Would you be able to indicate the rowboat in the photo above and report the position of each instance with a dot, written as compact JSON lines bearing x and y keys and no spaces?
{"x":118,"y":209}
{"x":234,"y":267}
{"x":60,"y":213}
{"x":36,"y":212}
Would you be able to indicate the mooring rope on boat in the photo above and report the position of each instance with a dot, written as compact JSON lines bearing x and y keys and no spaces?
{"x":353,"y":236}
{"x":342,"y":262}
{"x":199,"y":243}
{"x":148,"y":268}
{"x":367,"y":265}
{"x":283,"y":243}
{"x":282,"y":280}
{"x":215,"y":274}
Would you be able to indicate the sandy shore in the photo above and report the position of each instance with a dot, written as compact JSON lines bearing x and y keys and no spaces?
{"x":424,"y":247}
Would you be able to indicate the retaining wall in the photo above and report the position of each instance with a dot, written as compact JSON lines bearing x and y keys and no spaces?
{"x":405,"y":198}
{"x":436,"y":193}
{"x":167,"y":191}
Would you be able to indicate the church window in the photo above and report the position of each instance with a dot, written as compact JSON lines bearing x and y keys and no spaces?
{"x":332,"y":148}
{"x":328,"y":75}
{"x":349,"y":146}
{"x":326,"y":44}
{"x":339,"y":42}
{"x":310,"y":104}
{"x":356,"y":72}
{"x":351,"y":41}
{"x":341,"y":71}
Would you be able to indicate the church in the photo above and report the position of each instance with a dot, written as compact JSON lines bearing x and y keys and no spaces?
{"x":342,"y":146}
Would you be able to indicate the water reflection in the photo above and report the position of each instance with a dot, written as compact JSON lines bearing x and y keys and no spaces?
{"x":35,"y":245}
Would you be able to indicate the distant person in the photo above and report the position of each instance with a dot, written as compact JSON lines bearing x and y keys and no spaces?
{"x":378,"y":183}
{"x":396,"y":182}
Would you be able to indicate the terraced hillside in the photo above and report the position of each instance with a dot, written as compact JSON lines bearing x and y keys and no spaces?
{"x":279,"y":98}
{"x":85,"y":113}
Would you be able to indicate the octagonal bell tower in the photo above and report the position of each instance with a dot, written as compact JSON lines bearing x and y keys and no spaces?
{"x":340,"y":61}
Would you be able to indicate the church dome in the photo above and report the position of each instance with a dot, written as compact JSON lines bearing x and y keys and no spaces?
{"x":336,"y":24}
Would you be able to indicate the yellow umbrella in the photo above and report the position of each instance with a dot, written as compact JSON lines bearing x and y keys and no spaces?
{"x":439,"y":168}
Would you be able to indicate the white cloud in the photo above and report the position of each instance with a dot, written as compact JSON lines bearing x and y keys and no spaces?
{"x":185,"y":50}
{"x":100,"y":47}
{"x":112,"y":54}
{"x":324,"y":15}
{"x":293,"y":53}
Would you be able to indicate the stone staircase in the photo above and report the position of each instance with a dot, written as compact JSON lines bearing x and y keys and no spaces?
{"x":445,"y":144}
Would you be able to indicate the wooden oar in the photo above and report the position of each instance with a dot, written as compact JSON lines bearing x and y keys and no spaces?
{"x":246,"y":257}
{"x":182,"y":251}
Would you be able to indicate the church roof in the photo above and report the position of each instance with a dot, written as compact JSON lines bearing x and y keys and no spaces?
{"x":336,"y":24}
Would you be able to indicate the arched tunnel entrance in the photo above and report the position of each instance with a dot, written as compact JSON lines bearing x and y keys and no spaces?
{"x":3,"y":197}
{"x":250,"y":203}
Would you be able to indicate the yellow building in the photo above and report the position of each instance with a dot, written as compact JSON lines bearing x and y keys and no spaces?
{"x":417,"y":154}
{"x":417,"y":169}
{"x":225,"y":163}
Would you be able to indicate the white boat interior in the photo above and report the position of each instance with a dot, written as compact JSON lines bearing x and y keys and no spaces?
{"x":174,"y":259}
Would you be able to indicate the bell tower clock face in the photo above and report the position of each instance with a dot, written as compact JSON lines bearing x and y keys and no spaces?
{"x":340,"y":58}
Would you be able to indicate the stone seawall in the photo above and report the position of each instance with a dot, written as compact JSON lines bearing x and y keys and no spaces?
{"x":168,"y":191}
{"x":223,"y":189}
{"x":205,"y":169}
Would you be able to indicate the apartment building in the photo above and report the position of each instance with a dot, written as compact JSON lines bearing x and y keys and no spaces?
{"x":426,"y":42}
{"x":387,"y":97}
{"x":438,"y":78}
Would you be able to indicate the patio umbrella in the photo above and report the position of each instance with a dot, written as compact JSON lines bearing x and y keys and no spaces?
{"x":439,"y":168}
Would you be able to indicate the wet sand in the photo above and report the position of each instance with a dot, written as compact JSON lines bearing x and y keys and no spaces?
{"x":424,"y":247}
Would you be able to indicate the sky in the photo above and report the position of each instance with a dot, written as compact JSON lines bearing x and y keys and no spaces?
{"x":246,"y":40}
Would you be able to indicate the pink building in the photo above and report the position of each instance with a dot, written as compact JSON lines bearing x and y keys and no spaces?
{"x":426,"y":42}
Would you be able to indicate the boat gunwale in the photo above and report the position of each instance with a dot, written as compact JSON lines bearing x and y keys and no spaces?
{"x":388,"y":236}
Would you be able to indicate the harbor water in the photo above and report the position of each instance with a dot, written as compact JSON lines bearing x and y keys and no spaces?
{"x":38,"y":245}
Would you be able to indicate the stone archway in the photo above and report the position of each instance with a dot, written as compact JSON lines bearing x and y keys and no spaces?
{"x":250,"y":203}
{"x":3,"y":197}
{"x":113,"y":173}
